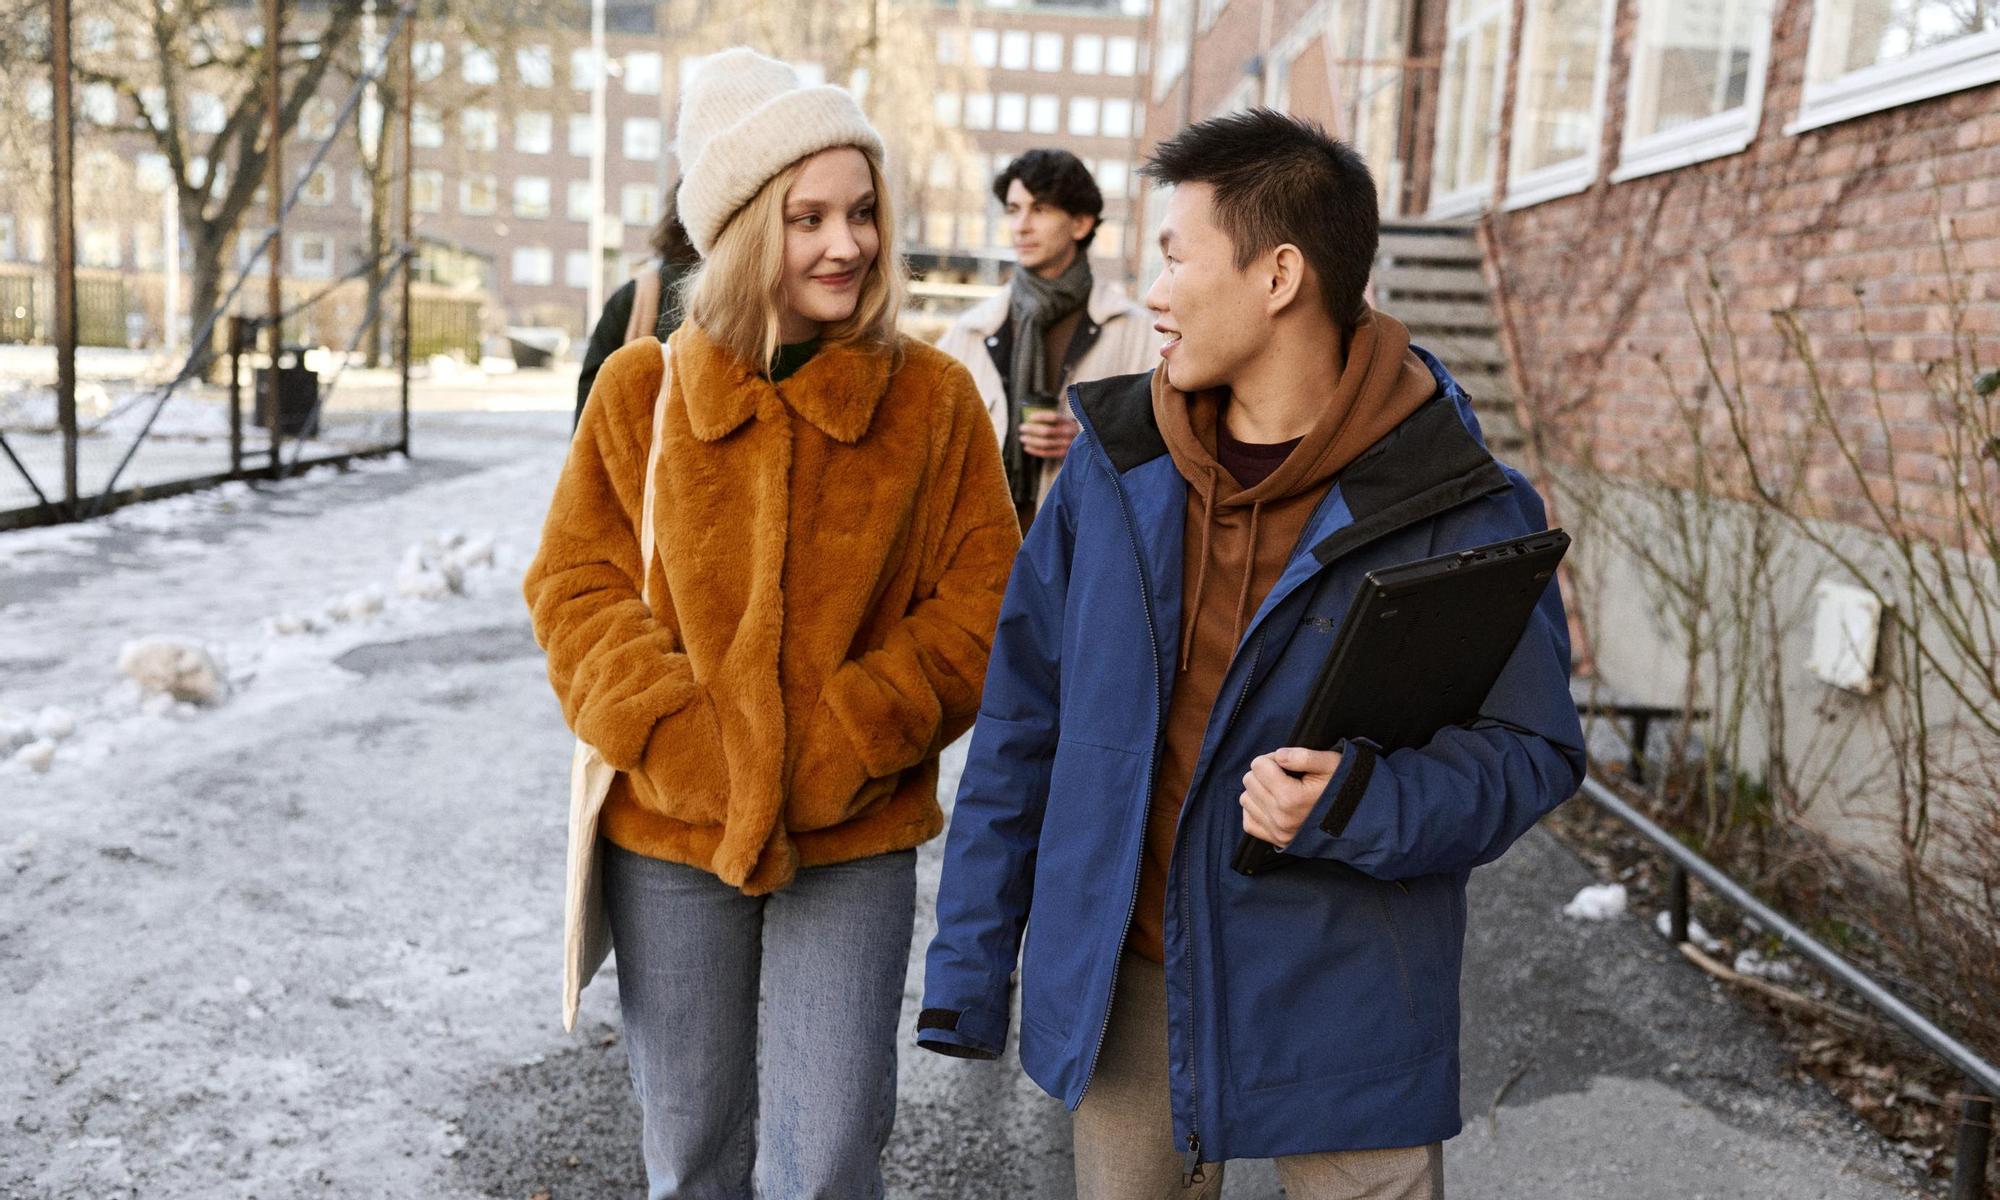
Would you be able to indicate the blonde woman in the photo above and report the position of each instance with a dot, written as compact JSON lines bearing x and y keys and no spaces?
{"x":834,"y":535}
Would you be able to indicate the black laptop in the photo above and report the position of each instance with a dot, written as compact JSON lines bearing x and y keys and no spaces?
{"x":1419,"y":650}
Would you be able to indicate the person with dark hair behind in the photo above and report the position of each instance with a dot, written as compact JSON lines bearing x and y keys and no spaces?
{"x":1054,"y":325}
{"x":1164,"y":625}
{"x":648,"y":304}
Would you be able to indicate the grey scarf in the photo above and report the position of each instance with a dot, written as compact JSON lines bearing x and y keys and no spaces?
{"x":1036,"y":304}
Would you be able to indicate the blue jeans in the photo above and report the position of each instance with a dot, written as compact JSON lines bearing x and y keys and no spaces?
{"x":803,"y":1088}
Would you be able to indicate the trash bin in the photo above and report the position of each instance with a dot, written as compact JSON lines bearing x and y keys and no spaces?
{"x":298,"y":396}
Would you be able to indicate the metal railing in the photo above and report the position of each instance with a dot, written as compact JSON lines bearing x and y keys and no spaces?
{"x":1975,"y":1117}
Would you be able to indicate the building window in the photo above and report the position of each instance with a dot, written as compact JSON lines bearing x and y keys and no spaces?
{"x":427,"y":60}
{"x":359,"y":195}
{"x":478,"y":67}
{"x":1559,"y":98}
{"x":1468,"y":123}
{"x":1378,"y":98}
{"x":534,"y":67}
{"x":100,"y":104}
{"x":8,"y":252}
{"x":1014,"y":50}
{"x":1083,"y":116}
{"x":426,"y":129}
{"x":152,"y":172}
{"x":319,"y":187}
{"x":639,"y":204}
{"x":1697,"y":84}
{"x":944,"y":171}
{"x":944,"y":107}
{"x":582,"y":70}
{"x":576,"y":269}
{"x":531,"y":197}
{"x":534,"y":265}
{"x":1113,"y":177}
{"x":642,"y":139}
{"x":316,"y":119}
{"x":534,"y":132}
{"x":950,"y":47}
{"x":1044,"y":114}
{"x":1121,"y":54}
{"x":1868,"y":55}
{"x":1210,"y":10}
{"x":100,"y":244}
{"x":642,"y":73}
{"x":1048,"y":52}
{"x":206,"y":113}
{"x":479,"y":128}
{"x":478,"y":195}
{"x":576,"y":200}
{"x":937,"y":230}
{"x":1115,"y":118}
{"x":427,"y":191}
{"x":1010,"y":114}
{"x":1110,"y":240}
{"x":979,"y":111}
{"x":312,"y":256}
{"x":1087,"y":54}
{"x":579,"y":135}
{"x":986,"y":48}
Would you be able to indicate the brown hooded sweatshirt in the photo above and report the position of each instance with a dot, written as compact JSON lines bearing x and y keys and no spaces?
{"x":1237,"y":543}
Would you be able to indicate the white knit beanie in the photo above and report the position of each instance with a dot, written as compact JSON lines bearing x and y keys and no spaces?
{"x":743,"y":119}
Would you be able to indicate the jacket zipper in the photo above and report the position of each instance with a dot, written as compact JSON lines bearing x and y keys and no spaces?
{"x":1152,"y":759}
{"x":1191,"y":1172}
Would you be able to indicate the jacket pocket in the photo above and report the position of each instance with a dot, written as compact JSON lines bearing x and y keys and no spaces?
{"x":828,"y":784}
{"x":1083,"y":883}
{"x":1324,"y":976}
{"x":684,"y":774}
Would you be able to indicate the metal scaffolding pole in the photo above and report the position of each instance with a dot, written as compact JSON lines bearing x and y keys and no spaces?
{"x":274,"y":186}
{"x":65,"y":245}
{"x":409,"y":96}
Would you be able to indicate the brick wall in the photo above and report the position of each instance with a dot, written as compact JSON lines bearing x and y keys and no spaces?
{"x":1599,"y":287}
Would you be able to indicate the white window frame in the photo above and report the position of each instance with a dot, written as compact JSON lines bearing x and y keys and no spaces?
{"x":1048,"y":51}
{"x":544,"y":256}
{"x":311,"y":267}
{"x":640,"y":138}
{"x":1209,"y":12}
{"x":1083,"y":116}
{"x":1474,"y":197}
{"x":426,"y":126}
{"x":1045,"y":113}
{"x":1170,"y":45}
{"x":650,"y":206}
{"x":1561,"y":179}
{"x":1964,"y":62}
{"x":525,"y":123}
{"x":465,"y":205}
{"x":1713,"y":137}
{"x":979,"y":111}
{"x":321,"y":188}
{"x":582,"y":70}
{"x":1118,"y":104}
{"x":1016,"y":50}
{"x":646,"y":80}
{"x":478,"y":66}
{"x":1091,"y":63}
{"x":1111,"y":64}
{"x":427,"y":60}
{"x":487,"y":122}
{"x":534,"y":66}
{"x":524,"y":203}
{"x":435,"y":179}
{"x":1010,"y":112}
{"x":580,"y":130}
{"x":985,"y":45}
{"x":576,"y":268}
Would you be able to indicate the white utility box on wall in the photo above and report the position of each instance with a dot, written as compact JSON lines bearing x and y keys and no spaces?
{"x":1847,"y":632}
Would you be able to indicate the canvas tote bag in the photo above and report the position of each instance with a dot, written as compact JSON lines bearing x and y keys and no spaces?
{"x":586,"y":935}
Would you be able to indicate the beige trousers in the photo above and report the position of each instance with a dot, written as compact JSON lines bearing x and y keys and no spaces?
{"x":1124,"y":1127}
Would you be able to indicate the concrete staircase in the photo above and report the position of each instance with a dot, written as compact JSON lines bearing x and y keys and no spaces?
{"x":1428,"y":276}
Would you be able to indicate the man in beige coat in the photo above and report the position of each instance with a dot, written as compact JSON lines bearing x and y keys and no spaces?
{"x":1053,"y":326}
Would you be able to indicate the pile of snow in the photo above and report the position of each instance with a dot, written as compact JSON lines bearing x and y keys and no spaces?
{"x":175,"y":669}
{"x":31,"y":741}
{"x":1664,"y":922}
{"x":1750,"y":962}
{"x":1598,"y":902}
{"x":435,"y":567}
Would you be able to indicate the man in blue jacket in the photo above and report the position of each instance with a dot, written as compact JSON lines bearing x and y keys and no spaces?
{"x":1164,"y":622}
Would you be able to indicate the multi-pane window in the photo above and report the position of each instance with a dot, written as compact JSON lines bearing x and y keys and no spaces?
{"x":1557,"y":103}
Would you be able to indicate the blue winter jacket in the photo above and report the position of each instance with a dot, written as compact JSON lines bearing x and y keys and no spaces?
{"x":1312,"y":1008}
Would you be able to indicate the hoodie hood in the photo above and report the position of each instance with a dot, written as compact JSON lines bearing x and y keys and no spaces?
{"x":1379,"y":383}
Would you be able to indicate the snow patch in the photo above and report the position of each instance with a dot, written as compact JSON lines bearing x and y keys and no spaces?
{"x":1750,"y":962}
{"x":36,"y":756}
{"x":1696,"y":933}
{"x":172,"y":670}
{"x":1598,"y":902}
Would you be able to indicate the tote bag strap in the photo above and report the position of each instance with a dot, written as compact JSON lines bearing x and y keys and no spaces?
{"x":646,"y":526}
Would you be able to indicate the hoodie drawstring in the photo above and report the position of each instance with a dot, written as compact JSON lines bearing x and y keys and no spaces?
{"x":1249,"y":569}
{"x":1201,"y":567}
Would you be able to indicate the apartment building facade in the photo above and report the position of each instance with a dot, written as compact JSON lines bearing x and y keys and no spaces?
{"x":1021,"y":76}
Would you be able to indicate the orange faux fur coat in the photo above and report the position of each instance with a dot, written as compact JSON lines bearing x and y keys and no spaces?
{"x":830,"y":559}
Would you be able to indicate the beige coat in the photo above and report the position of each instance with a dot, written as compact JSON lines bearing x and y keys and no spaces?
{"x":1125,"y":345}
